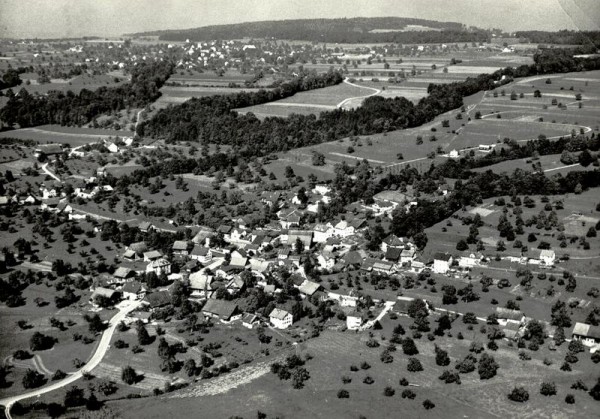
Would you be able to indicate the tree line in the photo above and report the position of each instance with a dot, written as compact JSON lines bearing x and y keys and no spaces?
{"x":68,"y":108}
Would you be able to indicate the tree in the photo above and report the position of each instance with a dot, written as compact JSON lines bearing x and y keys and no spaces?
{"x":414,"y":365}
{"x":40,"y":342}
{"x":409,"y":347}
{"x":95,"y":323}
{"x":318,"y":159}
{"x":548,"y":389}
{"x":441,"y":357}
{"x":33,"y":379}
{"x":595,"y":391}
{"x":462,"y":245}
{"x":74,"y":397}
{"x":343,"y":394}
{"x":428,"y":404}
{"x":128,"y":375}
{"x":518,"y":394}
{"x":92,"y":403}
{"x":388,"y":391}
{"x":487,"y":367}
{"x":143,"y":336}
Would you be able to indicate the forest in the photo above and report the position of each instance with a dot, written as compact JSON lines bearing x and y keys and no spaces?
{"x":213,"y":120}
{"x":29,"y":110}
{"x":563,"y":37}
{"x":353,"y":30}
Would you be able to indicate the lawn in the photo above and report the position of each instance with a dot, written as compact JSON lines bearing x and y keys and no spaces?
{"x":72,"y":136}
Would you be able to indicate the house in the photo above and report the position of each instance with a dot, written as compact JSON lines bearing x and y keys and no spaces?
{"x":383,"y":267}
{"x":407,"y":255}
{"x":453,"y":154}
{"x":203,"y":236}
{"x":200,"y":283}
{"x":547,"y":257}
{"x":393,"y":255}
{"x":122,"y":274}
{"x":402,"y":304}
{"x":588,"y":335}
{"x":239,"y":258}
{"x":139,"y":248}
{"x":321,"y":190}
{"x":322,"y":232}
{"x":353,"y":258}
{"x":283,"y":253}
{"x":271,"y":198}
{"x":506,"y":315}
{"x":281,"y":319}
{"x":306,"y":237}
{"x":326,"y":260}
{"x":64,"y":208}
{"x":442,"y":262}
{"x":226,"y":311}
{"x":133,"y":290}
{"x":354,"y":320}
{"x":469,"y":261}
{"x":159,"y":266}
{"x":158,"y":299}
{"x":394,"y":197}
{"x":343,"y":229}
{"x":308,"y":288}
{"x":50,"y":204}
{"x":181,"y":248}
{"x":249,"y":320}
{"x":392,"y":241}
{"x":201,"y":254}
{"x":129,"y":255}
{"x":145,"y":226}
{"x":47,"y":150}
{"x":107,"y":293}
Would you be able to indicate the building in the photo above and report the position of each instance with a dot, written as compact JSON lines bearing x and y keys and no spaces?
{"x":226,"y":311}
{"x":442,"y":262}
{"x":506,"y":316}
{"x":392,"y":242}
{"x":159,"y":266}
{"x":308,"y":288}
{"x":181,"y":247}
{"x":201,"y":254}
{"x":588,"y":335}
{"x":106,"y":293}
{"x":306,"y":237}
{"x":281,"y":319}
{"x":547,"y":257}
{"x":354,"y":320}
{"x":47,"y":150}
{"x":133,"y":290}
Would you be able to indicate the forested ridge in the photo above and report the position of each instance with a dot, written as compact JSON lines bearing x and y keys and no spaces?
{"x":354,"y":30}
{"x":213,"y":119}
{"x":69,"y":108}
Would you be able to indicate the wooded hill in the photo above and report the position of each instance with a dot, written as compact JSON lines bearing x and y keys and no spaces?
{"x":355,"y":30}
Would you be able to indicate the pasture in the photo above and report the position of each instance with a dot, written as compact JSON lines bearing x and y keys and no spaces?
{"x":72,"y":136}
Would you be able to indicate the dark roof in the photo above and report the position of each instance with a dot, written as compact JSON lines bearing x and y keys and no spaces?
{"x":442,"y":256}
{"x":221,"y":308}
{"x":158,"y":299}
{"x":393,"y":254}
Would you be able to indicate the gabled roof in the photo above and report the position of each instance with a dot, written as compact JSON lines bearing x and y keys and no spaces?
{"x":153,"y":254}
{"x":105,"y":292}
{"x":199,"y":281}
{"x":393,"y":254}
{"x":353,"y":258}
{"x":200,"y":251}
{"x":308,"y":287}
{"x":508,"y":314}
{"x":158,"y":263}
{"x":158,"y":299}
{"x":279,"y":314}
{"x":393,"y":240}
{"x":122,"y":272}
{"x":221,"y":308}
{"x":442,"y":256}
{"x":583,"y":329}
{"x":180,"y":245}
{"x":133,"y":287}
{"x":138,"y":247}
{"x":145,"y":225}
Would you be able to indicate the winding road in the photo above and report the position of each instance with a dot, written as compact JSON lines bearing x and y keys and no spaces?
{"x":49,"y":173}
{"x":125,"y":308}
{"x":345,"y":101}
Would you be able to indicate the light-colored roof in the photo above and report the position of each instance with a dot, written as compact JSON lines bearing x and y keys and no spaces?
{"x":279,"y":314}
{"x":308,"y":287}
{"x":581,"y":329}
{"x":159,"y":263}
{"x":122,"y":272}
{"x":180,"y":245}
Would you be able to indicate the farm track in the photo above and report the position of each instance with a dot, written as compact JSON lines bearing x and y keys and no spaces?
{"x":343,"y":102}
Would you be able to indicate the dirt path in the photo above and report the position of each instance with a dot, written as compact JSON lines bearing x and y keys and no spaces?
{"x":345,"y":101}
{"x":49,"y":173}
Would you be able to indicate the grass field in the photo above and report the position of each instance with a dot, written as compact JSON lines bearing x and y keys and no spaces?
{"x":73,"y":136}
{"x":75,"y":84}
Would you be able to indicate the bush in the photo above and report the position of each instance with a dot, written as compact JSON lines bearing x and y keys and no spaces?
{"x":570,"y":399}
{"x":518,"y":394}
{"x":128,"y":375}
{"x":365,"y":365}
{"x":343,"y":394}
{"x":403,"y":382}
{"x":389,"y":391}
{"x":428,"y":404}
{"x":548,"y":389}
{"x":487,"y":367}
{"x":368,"y":380}
{"x":408,"y":394}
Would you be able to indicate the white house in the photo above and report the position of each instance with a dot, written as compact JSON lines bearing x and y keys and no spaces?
{"x":547,"y":257}
{"x":354,"y":320}
{"x":587,"y":334}
{"x":281,"y":319}
{"x":442,"y":263}
{"x":159,"y":266}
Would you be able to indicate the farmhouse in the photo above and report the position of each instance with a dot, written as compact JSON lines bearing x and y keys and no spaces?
{"x":305,"y":237}
{"x":104,"y":293}
{"x":281,"y":319}
{"x":122,"y":274}
{"x":506,"y":316}
{"x":201,"y":254}
{"x":226,"y":311}
{"x":588,"y":335}
{"x":308,"y":288}
{"x":442,"y":262}
{"x":392,"y":241}
{"x":354,"y":320}
{"x":249,"y":320}
{"x":133,"y":290}
{"x":181,"y":248}
{"x":47,"y":150}
{"x":158,"y":299}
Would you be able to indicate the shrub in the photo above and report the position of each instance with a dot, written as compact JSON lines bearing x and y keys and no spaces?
{"x":408,"y":394}
{"x":403,"y":382}
{"x":389,"y":391}
{"x":365,"y":365}
{"x":428,"y":404}
{"x":518,"y":394}
{"x":548,"y":389}
{"x":368,"y":380}
{"x":570,"y":399}
{"x":343,"y":394}
{"x":487,"y":367}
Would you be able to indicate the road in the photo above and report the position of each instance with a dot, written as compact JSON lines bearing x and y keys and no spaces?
{"x":126,"y":308}
{"x":49,"y":173}
{"x":343,"y":102}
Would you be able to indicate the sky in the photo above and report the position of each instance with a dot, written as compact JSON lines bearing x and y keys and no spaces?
{"x":110,"y":18}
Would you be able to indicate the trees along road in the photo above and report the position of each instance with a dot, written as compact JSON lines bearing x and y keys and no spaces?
{"x":126,"y":308}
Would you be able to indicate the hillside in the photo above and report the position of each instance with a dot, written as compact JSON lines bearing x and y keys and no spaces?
{"x":380,"y":29}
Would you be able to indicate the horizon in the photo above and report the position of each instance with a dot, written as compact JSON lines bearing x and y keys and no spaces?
{"x":90,"y":18}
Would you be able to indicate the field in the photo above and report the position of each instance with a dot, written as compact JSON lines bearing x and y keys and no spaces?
{"x":335,"y":352}
{"x":72,"y":136}
{"x":75,"y":84}
{"x":550,"y":164}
